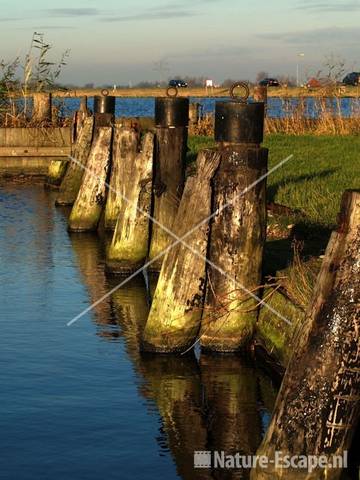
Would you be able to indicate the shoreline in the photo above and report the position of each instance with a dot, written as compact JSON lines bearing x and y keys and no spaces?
{"x":292,"y":92}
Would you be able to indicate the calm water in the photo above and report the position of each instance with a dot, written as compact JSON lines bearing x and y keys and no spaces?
{"x":80,"y":402}
{"x":277,"y":107}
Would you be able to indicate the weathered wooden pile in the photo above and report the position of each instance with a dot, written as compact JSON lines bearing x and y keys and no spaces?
{"x":204,"y":232}
{"x":191,"y":230}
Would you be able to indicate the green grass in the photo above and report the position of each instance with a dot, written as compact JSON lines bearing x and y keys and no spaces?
{"x":312,"y":182}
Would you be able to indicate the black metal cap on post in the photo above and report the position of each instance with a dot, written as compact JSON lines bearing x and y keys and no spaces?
{"x":239,"y":122}
{"x":171,"y":112}
{"x":104,"y":104}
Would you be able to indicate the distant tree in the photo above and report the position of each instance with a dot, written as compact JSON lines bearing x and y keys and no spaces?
{"x":333,"y":68}
{"x":89,"y":85}
{"x":261,"y":75}
{"x":228,"y":82}
{"x":146,"y":84}
{"x":288,"y":80}
{"x":194,"y":81}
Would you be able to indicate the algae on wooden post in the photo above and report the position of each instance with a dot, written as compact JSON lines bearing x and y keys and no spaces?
{"x":56,"y":171}
{"x":71,"y":183}
{"x":88,"y":205}
{"x":124,"y":151}
{"x":236,"y":247}
{"x":318,"y":406}
{"x":129,"y":246}
{"x":170,"y":152}
{"x":175,"y":314}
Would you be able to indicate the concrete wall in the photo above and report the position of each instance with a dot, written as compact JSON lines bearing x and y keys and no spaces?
{"x":28,"y":151}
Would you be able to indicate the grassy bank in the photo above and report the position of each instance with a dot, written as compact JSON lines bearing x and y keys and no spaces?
{"x":310,"y":184}
{"x":303,"y":202}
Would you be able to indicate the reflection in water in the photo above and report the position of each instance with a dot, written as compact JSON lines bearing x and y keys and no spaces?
{"x":218,"y":403}
{"x":233,"y":417}
{"x":174,"y":384}
{"x":89,"y":252}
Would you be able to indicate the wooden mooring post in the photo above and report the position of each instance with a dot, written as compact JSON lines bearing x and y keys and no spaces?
{"x":104,"y":110}
{"x":71,"y":183}
{"x":171,"y":120}
{"x":125,"y":148}
{"x":175,"y":314}
{"x":261,"y":94}
{"x":318,"y":406}
{"x":237,"y":232}
{"x":86,"y":211}
{"x":130,"y":242}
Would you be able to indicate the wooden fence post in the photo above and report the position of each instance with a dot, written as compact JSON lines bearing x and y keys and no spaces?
{"x":85,"y":214}
{"x":175,"y":314}
{"x":237,"y":233}
{"x":318,"y":406}
{"x":171,"y":120}
{"x":130,"y":242}
{"x":41,"y":112}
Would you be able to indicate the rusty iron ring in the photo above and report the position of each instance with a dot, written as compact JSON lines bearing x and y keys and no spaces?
{"x":172,"y":89}
{"x":240,"y":98}
{"x":104,"y":92}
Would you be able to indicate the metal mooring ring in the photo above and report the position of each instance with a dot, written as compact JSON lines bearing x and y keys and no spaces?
{"x":172,"y":89}
{"x":240,"y":98}
{"x":104,"y":92}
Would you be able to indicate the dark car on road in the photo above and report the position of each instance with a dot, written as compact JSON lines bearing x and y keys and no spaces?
{"x":269,"y":82}
{"x":177,"y":83}
{"x":352,"y":79}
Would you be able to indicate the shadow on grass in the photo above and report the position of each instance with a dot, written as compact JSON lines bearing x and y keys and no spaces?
{"x":279,"y":254}
{"x":273,"y":189}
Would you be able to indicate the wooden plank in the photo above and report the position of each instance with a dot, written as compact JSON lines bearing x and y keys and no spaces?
{"x":35,"y":151}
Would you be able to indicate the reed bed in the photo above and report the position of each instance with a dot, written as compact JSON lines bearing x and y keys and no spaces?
{"x":321,"y":116}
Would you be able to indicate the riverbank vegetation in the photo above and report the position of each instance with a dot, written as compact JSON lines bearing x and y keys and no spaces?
{"x":303,"y":202}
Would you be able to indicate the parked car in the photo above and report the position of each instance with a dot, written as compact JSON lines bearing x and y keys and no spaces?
{"x":177,"y":83}
{"x":352,"y":78}
{"x":269,"y":82}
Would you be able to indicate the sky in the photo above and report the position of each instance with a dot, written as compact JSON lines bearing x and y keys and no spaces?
{"x":122,"y":42}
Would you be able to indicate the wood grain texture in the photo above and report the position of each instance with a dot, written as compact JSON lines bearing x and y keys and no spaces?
{"x":176,"y":310}
{"x":86,"y":211}
{"x":318,"y":406}
{"x":170,"y":156}
{"x":236,"y":247}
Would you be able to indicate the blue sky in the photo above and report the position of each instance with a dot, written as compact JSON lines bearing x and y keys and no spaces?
{"x":121,"y":41}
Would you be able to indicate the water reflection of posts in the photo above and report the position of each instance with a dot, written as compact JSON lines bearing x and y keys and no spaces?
{"x":130,"y":308}
{"x":174,"y":384}
{"x":233,"y":418}
{"x":89,"y":256}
